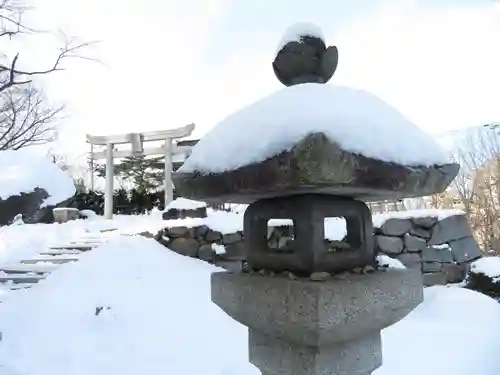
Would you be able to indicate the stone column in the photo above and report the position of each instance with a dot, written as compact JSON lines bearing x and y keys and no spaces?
{"x":305,"y":327}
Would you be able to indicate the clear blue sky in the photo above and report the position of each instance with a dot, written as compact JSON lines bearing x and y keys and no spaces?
{"x":171,"y":62}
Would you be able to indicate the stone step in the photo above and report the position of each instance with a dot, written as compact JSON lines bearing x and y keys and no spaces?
{"x":52,"y":260}
{"x":19,"y":286}
{"x":80,"y":246}
{"x":19,"y":269}
{"x":17,"y":278}
{"x":60,"y":252}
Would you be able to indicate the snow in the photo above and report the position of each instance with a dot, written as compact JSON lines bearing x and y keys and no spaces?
{"x":488,"y":266}
{"x":380,"y":219}
{"x":23,"y":170}
{"x":219,"y":249}
{"x":185,"y":204}
{"x":386,"y":261}
{"x":335,"y":228}
{"x":133,"y":296}
{"x":298,"y":30}
{"x":359,"y":121}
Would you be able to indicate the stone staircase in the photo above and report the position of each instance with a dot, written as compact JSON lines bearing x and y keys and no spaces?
{"x":27,"y":272}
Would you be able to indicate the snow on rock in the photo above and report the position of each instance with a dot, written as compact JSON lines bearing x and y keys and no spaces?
{"x":220,"y":221}
{"x":380,"y":219}
{"x":185,"y":204}
{"x":359,"y":121}
{"x":294,"y":33}
{"x":24,"y":170}
{"x":386,"y":261}
{"x":488,"y":266}
{"x":219,"y":249}
{"x":132,"y":296}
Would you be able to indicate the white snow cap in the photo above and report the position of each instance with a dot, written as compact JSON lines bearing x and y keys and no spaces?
{"x":298,"y":30}
{"x":24,"y":170}
{"x":357,"y":120}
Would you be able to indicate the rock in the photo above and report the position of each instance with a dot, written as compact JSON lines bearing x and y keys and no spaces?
{"x":230,"y":238}
{"x":410,"y":260}
{"x":305,"y":60}
{"x":213,"y":236}
{"x":175,"y":214}
{"x":434,"y":278}
{"x":63,"y":215}
{"x":433,"y":254}
{"x":465,"y":250}
{"x":235,"y":251}
{"x":389,"y":245}
{"x":449,"y":229}
{"x":27,"y":204}
{"x":420,"y":232}
{"x":185,"y":246}
{"x":431,"y":266}
{"x":413,"y":243}
{"x":320,"y":276}
{"x":146,"y":234}
{"x":425,"y":222}
{"x":176,"y":232}
{"x":201,"y":231}
{"x":396,"y":227}
{"x":455,"y":273}
{"x":320,"y":165}
{"x":206,"y":253}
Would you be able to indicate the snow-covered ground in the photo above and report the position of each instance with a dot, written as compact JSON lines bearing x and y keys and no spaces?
{"x":131,"y":307}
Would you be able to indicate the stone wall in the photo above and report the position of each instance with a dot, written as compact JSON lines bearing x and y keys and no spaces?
{"x":441,"y":249}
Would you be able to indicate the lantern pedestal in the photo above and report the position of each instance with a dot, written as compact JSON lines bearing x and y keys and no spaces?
{"x":299,"y":327}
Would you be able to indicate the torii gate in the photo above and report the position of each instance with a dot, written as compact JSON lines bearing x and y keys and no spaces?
{"x":137,"y":140}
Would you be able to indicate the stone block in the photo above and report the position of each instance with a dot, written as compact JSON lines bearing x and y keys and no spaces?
{"x":432,"y":267}
{"x":213,"y":236}
{"x":176,"y":232}
{"x":230,"y":238}
{"x":235,"y":251}
{"x":425,"y":222}
{"x":63,"y":215}
{"x":396,"y":227}
{"x":434,"y":278}
{"x":185,"y":246}
{"x":414,"y":243}
{"x":455,"y":273}
{"x":465,"y":250}
{"x":175,"y":214}
{"x":410,"y":260}
{"x":434,"y":254}
{"x":206,"y":253}
{"x":420,"y":232}
{"x":449,"y":229}
{"x":389,"y":245}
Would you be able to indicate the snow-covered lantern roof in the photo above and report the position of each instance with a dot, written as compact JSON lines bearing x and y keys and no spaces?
{"x":314,"y":137}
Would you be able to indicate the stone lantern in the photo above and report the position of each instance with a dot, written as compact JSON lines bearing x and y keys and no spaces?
{"x":312,"y":310}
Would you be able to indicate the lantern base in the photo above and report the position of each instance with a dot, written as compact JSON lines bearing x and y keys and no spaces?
{"x":300,"y":327}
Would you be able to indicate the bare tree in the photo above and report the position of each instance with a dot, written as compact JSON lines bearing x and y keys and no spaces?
{"x":26,"y":117}
{"x":477,"y":186}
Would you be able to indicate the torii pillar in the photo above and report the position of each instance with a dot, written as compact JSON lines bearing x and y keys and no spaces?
{"x":136,"y":140}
